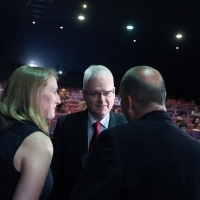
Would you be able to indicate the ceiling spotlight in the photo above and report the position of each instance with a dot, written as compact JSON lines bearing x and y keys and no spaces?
{"x":129,"y":27}
{"x":179,"y":36}
{"x":134,"y":40}
{"x":177,"y":47}
{"x":60,"y":72}
{"x":33,"y":22}
{"x":84,"y":6}
{"x":81,"y":17}
{"x":61,"y":27}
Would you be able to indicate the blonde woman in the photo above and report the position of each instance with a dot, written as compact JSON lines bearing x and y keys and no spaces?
{"x":27,"y":104}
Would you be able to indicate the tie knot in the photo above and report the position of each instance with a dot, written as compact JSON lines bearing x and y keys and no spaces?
{"x":96,"y":126}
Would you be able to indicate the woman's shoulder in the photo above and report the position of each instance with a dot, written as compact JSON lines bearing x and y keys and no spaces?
{"x":39,"y":141}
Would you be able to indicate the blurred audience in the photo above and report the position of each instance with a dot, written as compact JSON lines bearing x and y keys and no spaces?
{"x":197,"y":126}
{"x":182,"y":114}
{"x":195,"y":120}
{"x":183,"y":126}
{"x":82,"y":105}
{"x":115,"y":110}
{"x":195,"y":111}
{"x":179,"y":121}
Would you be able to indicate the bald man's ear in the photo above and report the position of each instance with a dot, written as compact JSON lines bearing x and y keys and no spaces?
{"x":129,"y":101}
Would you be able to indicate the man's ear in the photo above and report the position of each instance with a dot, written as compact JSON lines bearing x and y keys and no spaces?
{"x":129,"y":101}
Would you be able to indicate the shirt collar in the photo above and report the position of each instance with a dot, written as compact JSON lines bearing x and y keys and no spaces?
{"x":104,"y":121}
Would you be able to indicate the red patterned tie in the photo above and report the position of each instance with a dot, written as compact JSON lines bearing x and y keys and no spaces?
{"x":96,"y":127}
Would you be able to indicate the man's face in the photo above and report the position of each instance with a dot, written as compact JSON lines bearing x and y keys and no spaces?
{"x":101,"y":100}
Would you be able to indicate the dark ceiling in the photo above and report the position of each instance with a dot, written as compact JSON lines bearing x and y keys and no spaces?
{"x":102,"y":37}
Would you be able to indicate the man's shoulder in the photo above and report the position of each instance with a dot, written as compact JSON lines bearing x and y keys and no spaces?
{"x":119,"y":117}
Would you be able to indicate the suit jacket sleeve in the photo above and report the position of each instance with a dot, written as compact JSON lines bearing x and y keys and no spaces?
{"x":100,"y":178}
{"x":57,"y":160}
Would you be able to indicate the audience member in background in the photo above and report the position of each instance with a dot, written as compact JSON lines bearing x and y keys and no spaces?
{"x":74,"y":132}
{"x":82,"y":105}
{"x":183,"y":126}
{"x":179,"y":121}
{"x":61,"y":108}
{"x":115,"y":110}
{"x":27,"y":104}
{"x":148,"y":158}
{"x":64,"y":96}
{"x":181,"y":118}
{"x":192,"y":102}
{"x":195,"y":111}
{"x":182,"y":114}
{"x":195,"y":120}
{"x":197,"y":126}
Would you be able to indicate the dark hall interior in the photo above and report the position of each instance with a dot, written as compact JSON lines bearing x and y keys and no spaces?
{"x":49,"y":33}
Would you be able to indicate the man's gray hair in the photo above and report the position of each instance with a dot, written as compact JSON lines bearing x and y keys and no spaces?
{"x":140,"y":90}
{"x":95,"y":71}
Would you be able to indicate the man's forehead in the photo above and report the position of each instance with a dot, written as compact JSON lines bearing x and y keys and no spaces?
{"x":100,"y":80}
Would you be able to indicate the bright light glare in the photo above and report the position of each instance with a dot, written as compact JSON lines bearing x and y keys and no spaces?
{"x":134,"y":40}
{"x":129,"y":27}
{"x":179,"y":36}
{"x":32,"y":65}
{"x":61,"y":27}
{"x":84,"y":6}
{"x":177,"y":47}
{"x":33,"y":22}
{"x":60,"y":72}
{"x":81,"y":17}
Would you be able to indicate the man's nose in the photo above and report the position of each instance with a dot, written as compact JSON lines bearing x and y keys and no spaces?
{"x":101,"y":97}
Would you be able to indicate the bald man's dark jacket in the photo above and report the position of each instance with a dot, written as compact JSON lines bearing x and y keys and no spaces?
{"x":149,"y":159}
{"x":70,"y":142}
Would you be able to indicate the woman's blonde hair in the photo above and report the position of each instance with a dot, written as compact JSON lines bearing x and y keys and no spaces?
{"x":21,"y":98}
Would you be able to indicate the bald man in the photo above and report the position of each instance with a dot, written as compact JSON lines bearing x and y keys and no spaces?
{"x":147,"y":158}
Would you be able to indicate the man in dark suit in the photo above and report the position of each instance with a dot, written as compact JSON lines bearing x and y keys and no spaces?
{"x":147,"y":158}
{"x":73,"y":133}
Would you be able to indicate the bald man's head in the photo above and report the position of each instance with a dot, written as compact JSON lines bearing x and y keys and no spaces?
{"x":145,"y":85}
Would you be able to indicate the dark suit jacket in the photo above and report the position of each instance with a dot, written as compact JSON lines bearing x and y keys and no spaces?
{"x":70,"y":142}
{"x":149,"y":159}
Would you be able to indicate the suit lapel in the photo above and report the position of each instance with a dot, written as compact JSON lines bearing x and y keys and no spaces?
{"x":82,"y":135}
